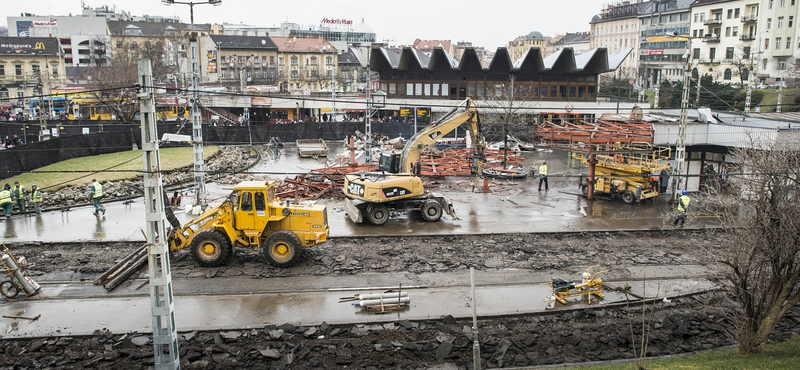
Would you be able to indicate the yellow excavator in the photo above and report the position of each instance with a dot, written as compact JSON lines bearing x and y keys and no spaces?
{"x":373,"y":196}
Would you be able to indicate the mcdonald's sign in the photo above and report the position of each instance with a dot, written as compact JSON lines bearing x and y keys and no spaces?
{"x":39,"y":45}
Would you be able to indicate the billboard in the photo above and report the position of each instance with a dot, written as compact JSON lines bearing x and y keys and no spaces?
{"x":211,"y":55}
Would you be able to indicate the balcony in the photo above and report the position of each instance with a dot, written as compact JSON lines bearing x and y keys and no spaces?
{"x":709,"y":61}
{"x":747,"y":37}
{"x":713,"y":21}
{"x":750,"y":19}
{"x":712,"y":38}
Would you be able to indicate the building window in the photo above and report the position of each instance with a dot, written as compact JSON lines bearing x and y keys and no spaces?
{"x":746,"y":52}
{"x":771,"y":2}
{"x":329,"y":61}
{"x":696,"y":53}
{"x":780,"y":23}
{"x":735,"y":31}
{"x":727,"y":74}
{"x":313,"y":61}
{"x":727,"y":31}
{"x":134,"y":45}
{"x":791,"y":21}
{"x":736,"y":13}
{"x":783,"y":3}
{"x":781,"y":64}
{"x":730,"y":13}
{"x":294,"y":61}
{"x":2,"y":70}
{"x":766,"y":44}
{"x":729,"y":53}
{"x":35,"y":69}
{"x":696,"y":17}
{"x":673,"y":18}
{"x":788,"y":42}
{"x":255,"y":59}
{"x":769,"y":23}
{"x":18,"y":69}
{"x":54,"y":68}
{"x":778,"y":43}
{"x":712,"y":53}
{"x":222,"y":73}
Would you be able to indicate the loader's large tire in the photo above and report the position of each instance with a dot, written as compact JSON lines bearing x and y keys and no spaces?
{"x":377,"y":214}
{"x":431,"y":210}
{"x":282,"y":248}
{"x":210,"y":248}
{"x":8,"y":289}
{"x":628,"y":197}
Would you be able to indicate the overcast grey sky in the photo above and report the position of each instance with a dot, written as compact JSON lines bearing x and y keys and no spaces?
{"x":491,"y":24}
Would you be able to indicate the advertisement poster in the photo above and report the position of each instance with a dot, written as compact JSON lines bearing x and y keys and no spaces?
{"x":211,"y":55}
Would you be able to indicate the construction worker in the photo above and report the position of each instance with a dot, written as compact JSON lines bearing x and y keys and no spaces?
{"x":543,"y":177}
{"x":18,"y":193}
{"x":36,"y":197}
{"x":5,"y":201}
{"x":683,"y":207}
{"x":96,"y":193}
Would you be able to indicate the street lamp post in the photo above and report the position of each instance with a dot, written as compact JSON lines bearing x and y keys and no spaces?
{"x":197,"y":126}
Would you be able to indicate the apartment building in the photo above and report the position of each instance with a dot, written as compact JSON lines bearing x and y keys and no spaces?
{"x":238,"y":61}
{"x":305,"y":65}
{"x":664,"y":31}
{"x":722,"y":39}
{"x":616,"y":28}
{"x":778,"y":40}
{"x":30,"y":66}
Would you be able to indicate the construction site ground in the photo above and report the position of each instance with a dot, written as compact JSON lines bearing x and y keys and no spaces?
{"x":249,"y":315}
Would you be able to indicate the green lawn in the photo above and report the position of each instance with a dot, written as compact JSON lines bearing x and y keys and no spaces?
{"x":105,"y":167}
{"x":785,"y":355}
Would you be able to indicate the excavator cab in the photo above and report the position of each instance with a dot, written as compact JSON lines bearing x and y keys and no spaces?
{"x":389,"y":162}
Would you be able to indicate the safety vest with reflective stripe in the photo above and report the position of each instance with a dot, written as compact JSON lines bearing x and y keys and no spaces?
{"x":5,"y":196}
{"x":98,"y":190}
{"x":543,"y":170}
{"x":37,"y":196}
{"x":18,"y":192}
{"x":683,"y":203}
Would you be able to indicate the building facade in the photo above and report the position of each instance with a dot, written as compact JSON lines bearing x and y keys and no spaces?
{"x":305,"y":65}
{"x":30,"y":66}
{"x":779,"y":45}
{"x":520,"y":45}
{"x":724,"y":39}
{"x":616,"y":28}
{"x":162,"y":42}
{"x":406,"y":74}
{"x":238,"y":61}
{"x":664,"y":31}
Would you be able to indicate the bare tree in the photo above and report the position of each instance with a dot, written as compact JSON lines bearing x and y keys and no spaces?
{"x":741,"y":64}
{"x":503,"y":114}
{"x":112,"y":83}
{"x":762,"y":257}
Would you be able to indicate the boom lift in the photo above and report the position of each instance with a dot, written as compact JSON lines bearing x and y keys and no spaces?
{"x":626,"y":175}
{"x":252,"y":217}
{"x":372,"y":196}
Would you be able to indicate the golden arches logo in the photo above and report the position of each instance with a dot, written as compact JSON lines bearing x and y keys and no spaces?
{"x":39,"y":45}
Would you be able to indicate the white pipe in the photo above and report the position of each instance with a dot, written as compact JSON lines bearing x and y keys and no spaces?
{"x":378,"y":302}
{"x":368,"y":296}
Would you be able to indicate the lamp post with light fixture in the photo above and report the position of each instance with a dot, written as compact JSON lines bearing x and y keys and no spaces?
{"x":197,"y":125}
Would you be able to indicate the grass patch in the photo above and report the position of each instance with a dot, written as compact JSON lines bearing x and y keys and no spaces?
{"x":784,"y":355}
{"x":108,"y":167}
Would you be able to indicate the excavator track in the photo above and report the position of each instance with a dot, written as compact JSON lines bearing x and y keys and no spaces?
{"x":124,"y":269}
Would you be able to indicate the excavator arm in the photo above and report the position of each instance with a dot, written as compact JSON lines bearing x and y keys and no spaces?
{"x":465,"y":112}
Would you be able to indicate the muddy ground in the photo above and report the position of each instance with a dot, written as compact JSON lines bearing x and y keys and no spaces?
{"x":598,"y":334}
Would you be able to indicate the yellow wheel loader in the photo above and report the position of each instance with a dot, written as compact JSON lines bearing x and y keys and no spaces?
{"x":253,"y":217}
{"x":373,"y":196}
